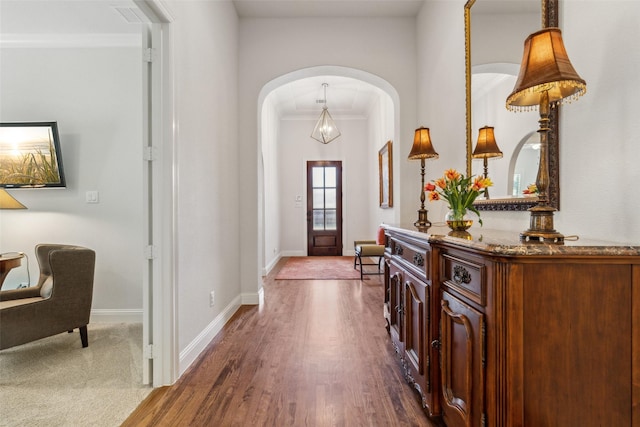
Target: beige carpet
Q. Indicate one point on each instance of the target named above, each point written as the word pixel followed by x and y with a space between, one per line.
pixel 55 382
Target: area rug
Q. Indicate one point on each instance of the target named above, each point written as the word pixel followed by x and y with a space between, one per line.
pixel 321 268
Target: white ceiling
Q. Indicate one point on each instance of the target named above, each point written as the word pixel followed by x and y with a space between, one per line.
pixel 66 17
pixel 326 8
pixel 347 98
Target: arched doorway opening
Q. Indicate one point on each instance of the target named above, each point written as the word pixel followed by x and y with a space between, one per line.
pixel 284 147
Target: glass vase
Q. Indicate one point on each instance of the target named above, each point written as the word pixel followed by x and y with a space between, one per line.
pixel 458 220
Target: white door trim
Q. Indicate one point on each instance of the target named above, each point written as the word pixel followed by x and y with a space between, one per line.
pixel 160 309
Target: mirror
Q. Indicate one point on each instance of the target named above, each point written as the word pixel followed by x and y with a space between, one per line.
pixel 495 31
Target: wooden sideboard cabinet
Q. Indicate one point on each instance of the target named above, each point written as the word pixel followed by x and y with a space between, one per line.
pixel 409 306
pixel 528 335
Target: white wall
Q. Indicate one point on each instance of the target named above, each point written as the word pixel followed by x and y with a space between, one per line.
pixel 270 48
pixel 441 92
pixel 208 254
pixel 295 148
pixel 95 96
pixel 271 161
pixel 381 129
pixel 598 148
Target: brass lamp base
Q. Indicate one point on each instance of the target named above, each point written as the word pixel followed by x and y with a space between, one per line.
pixel 541 227
pixel 423 223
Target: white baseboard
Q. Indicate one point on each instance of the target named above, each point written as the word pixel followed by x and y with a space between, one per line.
pixel 270 266
pixel 197 346
pixel 116 316
pixel 252 298
pixel 293 253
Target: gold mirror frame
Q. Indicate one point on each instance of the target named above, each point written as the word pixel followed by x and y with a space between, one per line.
pixel 549 14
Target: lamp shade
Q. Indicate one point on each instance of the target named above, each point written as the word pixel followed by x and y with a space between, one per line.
pixel 545 68
pixel 486 146
pixel 8 202
pixel 422 148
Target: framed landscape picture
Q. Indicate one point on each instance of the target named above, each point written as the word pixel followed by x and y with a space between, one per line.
pixel 385 161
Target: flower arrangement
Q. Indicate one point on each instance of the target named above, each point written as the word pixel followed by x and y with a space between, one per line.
pixel 459 191
pixel 531 190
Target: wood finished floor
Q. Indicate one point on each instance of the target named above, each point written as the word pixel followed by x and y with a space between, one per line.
pixel 316 353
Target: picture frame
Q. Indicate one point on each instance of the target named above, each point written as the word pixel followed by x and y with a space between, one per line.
pixel 385 168
pixel 30 155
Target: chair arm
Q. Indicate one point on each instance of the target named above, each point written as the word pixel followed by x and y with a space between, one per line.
pixel 363 242
pixel 12 294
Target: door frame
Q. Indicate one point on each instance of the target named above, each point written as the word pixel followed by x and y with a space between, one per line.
pixel 160 344
pixel 339 203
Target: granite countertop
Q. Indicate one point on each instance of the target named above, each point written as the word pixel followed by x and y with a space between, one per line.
pixel 497 242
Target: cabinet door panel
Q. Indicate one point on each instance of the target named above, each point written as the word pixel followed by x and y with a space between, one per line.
pixel 416 306
pixel 462 359
pixel 396 306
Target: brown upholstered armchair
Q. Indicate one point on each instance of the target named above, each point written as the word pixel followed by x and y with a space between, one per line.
pixel 60 302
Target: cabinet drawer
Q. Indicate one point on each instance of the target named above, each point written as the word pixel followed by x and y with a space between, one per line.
pixel 465 276
pixel 415 257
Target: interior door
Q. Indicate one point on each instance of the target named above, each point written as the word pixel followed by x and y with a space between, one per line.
pixel 324 208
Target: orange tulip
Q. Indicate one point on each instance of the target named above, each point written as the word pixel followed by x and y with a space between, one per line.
pixel 451 174
pixel 440 182
pixel 429 187
pixel 478 183
pixel 434 196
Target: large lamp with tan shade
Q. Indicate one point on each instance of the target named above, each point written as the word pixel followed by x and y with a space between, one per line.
pixel 546 80
pixel 422 149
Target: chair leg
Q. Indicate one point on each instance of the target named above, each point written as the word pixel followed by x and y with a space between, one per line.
pixel 361 267
pixel 83 336
pixel 355 258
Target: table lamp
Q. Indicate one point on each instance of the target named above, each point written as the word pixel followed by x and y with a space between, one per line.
pixel 422 149
pixel 486 148
pixel 7 201
pixel 546 80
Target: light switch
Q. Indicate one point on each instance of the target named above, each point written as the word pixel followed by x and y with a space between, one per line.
pixel 92 197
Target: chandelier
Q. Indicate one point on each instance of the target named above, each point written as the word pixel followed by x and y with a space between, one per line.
pixel 325 130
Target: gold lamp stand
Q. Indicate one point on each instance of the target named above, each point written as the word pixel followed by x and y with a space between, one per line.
pixel 541 219
pixel 423 223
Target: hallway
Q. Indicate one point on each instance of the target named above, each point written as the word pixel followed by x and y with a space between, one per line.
pixel 315 353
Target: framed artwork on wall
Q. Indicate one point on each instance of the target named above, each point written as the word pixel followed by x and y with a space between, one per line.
pixel 385 161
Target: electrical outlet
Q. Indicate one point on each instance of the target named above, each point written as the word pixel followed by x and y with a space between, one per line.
pixel 212 298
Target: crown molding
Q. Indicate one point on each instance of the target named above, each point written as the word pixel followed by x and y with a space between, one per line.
pixel 69 40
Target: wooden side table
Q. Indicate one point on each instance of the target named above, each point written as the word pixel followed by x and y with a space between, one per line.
pixel 7 262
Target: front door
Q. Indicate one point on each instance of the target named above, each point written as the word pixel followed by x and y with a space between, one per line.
pixel 324 208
